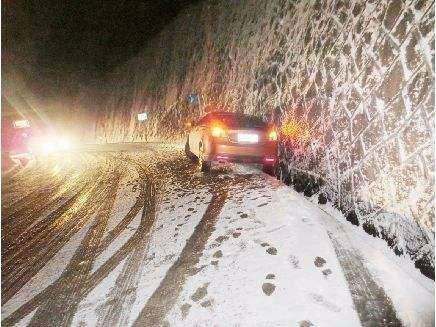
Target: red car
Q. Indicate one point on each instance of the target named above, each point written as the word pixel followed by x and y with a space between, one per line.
pixel 232 137
pixel 16 135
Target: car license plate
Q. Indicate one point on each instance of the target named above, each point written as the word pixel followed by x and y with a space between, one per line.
pixel 248 138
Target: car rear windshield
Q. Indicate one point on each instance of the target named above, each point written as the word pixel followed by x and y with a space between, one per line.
pixel 238 121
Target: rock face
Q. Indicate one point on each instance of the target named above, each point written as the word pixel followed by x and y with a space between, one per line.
pixel 349 84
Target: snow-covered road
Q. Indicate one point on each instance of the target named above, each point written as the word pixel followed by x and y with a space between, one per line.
pixel 132 234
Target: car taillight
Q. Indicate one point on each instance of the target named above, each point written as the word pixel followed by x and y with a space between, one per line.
pixel 272 136
pixel 218 131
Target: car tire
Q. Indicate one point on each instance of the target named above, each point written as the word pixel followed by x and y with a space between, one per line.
pixel 268 169
pixel 188 152
pixel 205 166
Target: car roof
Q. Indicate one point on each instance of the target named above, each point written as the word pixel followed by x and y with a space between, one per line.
pixel 226 113
pixel 219 113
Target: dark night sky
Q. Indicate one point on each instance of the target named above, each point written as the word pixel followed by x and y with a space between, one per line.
pixel 68 41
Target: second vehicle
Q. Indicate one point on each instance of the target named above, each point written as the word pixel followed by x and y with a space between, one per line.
pixel 232 137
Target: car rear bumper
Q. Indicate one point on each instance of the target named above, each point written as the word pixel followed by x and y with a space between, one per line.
pixel 260 153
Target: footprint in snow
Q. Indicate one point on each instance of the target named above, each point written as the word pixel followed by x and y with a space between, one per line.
pixel 272 250
pixel 268 288
pixel 221 239
pixel 293 260
pixel 200 293
pixel 185 310
pixel 206 304
pixel 317 298
pixel 319 262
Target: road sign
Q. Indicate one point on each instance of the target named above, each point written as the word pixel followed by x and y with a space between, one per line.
pixel 142 116
pixel 192 98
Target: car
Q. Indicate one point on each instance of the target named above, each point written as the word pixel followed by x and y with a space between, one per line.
pixel 22 140
pixel 16 135
pixel 232 137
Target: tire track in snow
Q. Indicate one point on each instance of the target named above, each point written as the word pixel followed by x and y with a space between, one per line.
pixel 93 280
pixel 373 306
pixel 86 192
pixel 20 266
pixel 138 205
pixel 37 196
pixel 59 308
pixel 17 215
pixel 28 203
pixel 102 272
pixel 32 178
pixel 107 267
pixel 124 223
pixel 31 195
pixel 11 172
pixel 41 228
pixel 10 183
pixel 31 222
pixel 123 294
pixel 165 296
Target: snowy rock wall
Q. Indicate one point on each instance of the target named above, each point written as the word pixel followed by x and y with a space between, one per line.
pixel 350 85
